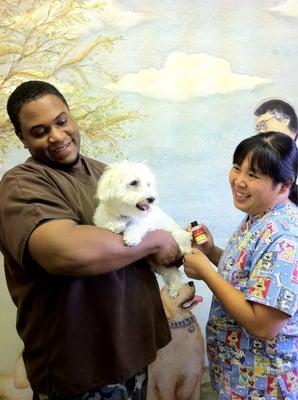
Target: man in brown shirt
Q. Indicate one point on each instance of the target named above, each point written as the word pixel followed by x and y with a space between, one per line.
pixel 88 307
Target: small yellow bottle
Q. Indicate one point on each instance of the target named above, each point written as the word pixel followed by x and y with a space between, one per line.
pixel 198 233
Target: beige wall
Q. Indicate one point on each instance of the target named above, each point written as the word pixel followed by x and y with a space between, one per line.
pixel 10 344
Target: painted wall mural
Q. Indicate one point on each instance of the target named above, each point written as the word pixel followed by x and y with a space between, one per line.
pixel 52 41
pixel 173 83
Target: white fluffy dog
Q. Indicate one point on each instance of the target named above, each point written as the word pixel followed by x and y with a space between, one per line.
pixel 127 204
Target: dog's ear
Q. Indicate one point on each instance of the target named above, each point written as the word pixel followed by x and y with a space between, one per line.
pixel 169 304
pixel 109 183
pixel 104 186
pixel 142 166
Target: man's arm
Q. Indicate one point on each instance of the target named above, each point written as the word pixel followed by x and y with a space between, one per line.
pixel 65 248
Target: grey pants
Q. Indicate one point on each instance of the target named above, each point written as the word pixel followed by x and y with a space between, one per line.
pixel 133 389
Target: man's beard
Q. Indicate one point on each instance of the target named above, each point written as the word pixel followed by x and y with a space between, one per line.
pixel 65 166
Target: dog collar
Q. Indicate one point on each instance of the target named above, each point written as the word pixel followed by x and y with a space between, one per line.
pixel 185 322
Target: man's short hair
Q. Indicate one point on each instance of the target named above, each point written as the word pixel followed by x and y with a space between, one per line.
pixel 25 92
pixel 281 108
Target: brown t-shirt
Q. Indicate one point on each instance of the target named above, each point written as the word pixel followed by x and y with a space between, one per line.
pixel 79 333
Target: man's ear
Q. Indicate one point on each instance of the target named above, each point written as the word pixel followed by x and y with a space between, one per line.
pixel 21 137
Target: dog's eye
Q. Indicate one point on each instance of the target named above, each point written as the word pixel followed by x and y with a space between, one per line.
pixel 133 183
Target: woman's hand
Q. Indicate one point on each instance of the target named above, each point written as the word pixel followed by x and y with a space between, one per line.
pixel 208 248
pixel 208 245
pixel 196 264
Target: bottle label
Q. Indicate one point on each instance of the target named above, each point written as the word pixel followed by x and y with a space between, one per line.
pixel 199 234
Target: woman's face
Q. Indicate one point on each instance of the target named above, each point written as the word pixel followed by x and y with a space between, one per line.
pixel 253 192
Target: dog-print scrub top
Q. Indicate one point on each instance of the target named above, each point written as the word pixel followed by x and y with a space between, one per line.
pixel 261 261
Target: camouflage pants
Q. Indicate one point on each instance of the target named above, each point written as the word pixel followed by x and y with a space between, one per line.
pixel 279 394
pixel 133 389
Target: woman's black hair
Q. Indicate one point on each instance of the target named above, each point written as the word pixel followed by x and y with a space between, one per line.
pixel 273 154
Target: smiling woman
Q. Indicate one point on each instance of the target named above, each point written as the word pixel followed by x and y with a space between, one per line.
pixel 263 173
pixel 253 191
pixel 255 288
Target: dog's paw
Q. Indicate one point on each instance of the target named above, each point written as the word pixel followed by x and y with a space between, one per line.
pixel 116 228
pixel 131 240
pixel 184 240
pixel 185 250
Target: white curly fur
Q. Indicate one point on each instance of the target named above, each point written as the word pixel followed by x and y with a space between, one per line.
pixel 127 204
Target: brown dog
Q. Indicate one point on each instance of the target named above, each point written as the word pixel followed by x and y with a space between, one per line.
pixel 177 372
pixel 16 385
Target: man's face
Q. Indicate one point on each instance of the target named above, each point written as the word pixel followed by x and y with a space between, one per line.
pixel 268 122
pixel 49 131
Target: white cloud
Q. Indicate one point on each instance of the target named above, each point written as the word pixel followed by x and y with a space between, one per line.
pixel 289 8
pixel 184 77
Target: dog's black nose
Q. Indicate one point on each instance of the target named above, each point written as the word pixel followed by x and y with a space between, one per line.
pixel 150 199
pixel 191 283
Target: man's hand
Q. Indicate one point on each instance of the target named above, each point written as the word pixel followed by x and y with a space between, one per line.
pixel 167 251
